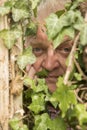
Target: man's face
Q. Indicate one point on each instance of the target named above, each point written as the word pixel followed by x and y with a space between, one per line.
pixel 53 60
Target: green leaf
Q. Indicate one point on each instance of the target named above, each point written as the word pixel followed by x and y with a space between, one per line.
pixel 83 35
pixel 26 58
pixel 42 73
pixel 57 124
pixel 22 4
pixel 28 81
pixel 38 103
pixel 14 124
pixel 19 14
pixel 69 31
pixel 31 29
pixel 65 96
pixel 43 122
pixel 4 10
pixel 24 127
pixel 78 76
pixel 60 12
pixel 9 3
pixel 41 86
pixel 76 4
pixel 53 25
pixel 35 3
pixel 10 36
pixel 81 113
pixel 21 10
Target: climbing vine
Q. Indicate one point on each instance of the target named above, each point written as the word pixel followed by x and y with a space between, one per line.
pixel 70 96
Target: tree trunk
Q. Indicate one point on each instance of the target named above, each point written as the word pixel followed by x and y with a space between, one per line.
pixel 4 81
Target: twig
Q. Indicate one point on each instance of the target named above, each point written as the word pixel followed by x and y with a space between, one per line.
pixel 70 65
pixel 79 69
pixel 78 98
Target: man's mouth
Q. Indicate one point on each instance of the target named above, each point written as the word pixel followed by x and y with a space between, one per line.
pixel 51 79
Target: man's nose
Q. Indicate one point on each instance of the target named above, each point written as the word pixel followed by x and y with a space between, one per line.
pixel 50 61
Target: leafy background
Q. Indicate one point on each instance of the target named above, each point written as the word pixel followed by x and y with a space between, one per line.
pixel 70 95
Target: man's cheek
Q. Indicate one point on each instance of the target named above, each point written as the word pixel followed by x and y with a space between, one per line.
pixel 28 68
pixel 32 72
pixel 38 64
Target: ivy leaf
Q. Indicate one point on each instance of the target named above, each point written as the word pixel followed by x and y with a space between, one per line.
pixel 22 4
pixel 9 4
pixel 43 122
pixel 78 76
pixel 69 31
pixel 53 26
pixel 42 73
pixel 24 127
pixel 16 125
pixel 31 29
pixel 79 111
pixel 10 36
pixel 76 4
pixel 41 86
pixel 28 82
pixel 26 58
pixel 83 35
pixel 34 3
pixel 21 10
pixel 65 96
pixel 38 103
pixel 4 10
pixel 19 14
pixel 57 124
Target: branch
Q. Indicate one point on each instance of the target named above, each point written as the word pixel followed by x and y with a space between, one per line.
pixel 80 70
pixel 70 65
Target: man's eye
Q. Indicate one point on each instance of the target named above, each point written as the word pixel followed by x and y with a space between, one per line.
pixel 37 51
pixel 67 50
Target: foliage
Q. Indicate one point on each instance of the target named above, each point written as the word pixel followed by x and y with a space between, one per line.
pixel 14 123
pixel 26 58
pixel 66 22
pixel 43 122
pixel 65 96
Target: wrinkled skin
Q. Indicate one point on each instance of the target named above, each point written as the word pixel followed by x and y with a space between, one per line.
pixel 47 58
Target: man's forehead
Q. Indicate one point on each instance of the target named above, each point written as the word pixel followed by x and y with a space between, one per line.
pixel 45 43
pixel 41 38
pixel 39 42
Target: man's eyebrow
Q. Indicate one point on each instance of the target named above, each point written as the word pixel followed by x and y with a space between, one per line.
pixel 67 40
pixel 39 45
pixel 67 43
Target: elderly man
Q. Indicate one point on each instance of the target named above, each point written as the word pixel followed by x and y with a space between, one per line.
pixel 48 58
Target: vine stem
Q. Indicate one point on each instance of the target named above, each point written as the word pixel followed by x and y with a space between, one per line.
pixel 70 64
pixel 80 70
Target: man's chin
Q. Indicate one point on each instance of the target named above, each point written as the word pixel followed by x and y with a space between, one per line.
pixel 52 87
pixel 51 83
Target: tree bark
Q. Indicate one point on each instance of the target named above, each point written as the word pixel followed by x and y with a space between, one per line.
pixel 4 80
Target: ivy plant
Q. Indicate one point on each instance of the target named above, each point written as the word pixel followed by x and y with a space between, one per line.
pixel 72 110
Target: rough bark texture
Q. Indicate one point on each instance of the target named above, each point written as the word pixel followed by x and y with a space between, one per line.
pixel 4 81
